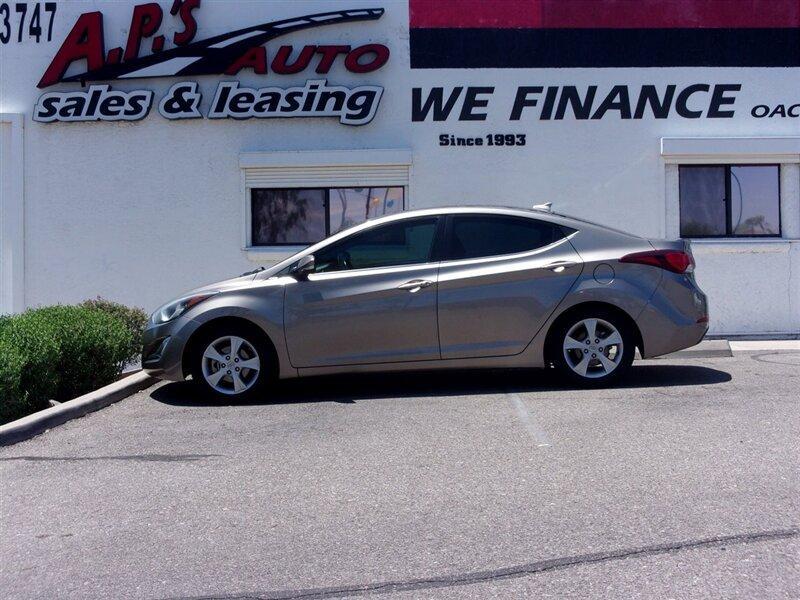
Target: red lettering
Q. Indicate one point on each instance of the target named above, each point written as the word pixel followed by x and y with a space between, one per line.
pixel 255 58
pixel 145 22
pixel 85 41
pixel 185 8
pixel 380 51
pixel 329 54
pixel 279 64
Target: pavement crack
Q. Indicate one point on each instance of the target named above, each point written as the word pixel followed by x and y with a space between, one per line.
pixel 132 457
pixel 522 570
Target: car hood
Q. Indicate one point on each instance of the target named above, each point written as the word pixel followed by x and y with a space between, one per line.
pixel 224 285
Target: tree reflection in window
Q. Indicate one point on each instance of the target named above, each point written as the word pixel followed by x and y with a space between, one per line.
pixel 288 216
pixel 305 216
pixel 729 200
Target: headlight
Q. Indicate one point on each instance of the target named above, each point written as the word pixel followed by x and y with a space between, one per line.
pixel 176 308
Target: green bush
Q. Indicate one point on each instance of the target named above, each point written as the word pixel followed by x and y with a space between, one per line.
pixel 29 338
pixel 58 352
pixel 135 320
pixel 13 401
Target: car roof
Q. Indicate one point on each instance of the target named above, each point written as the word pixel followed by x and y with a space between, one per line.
pixel 530 213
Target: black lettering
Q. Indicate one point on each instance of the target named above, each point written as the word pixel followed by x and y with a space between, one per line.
pixel 241 102
pixel 111 106
pixel 582 109
pixel 269 102
pixel 94 98
pixel 435 101
pixel 649 96
pixel 223 92
pixel 522 101
pixel 135 106
pixel 292 101
pixel 718 99
pixel 617 99
pixel 471 102
pixel 72 107
pixel 337 96
pixel 47 108
pixel 779 111
pixel 549 102
pixel 683 98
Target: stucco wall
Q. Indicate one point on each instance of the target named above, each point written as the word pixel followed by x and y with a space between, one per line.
pixel 139 212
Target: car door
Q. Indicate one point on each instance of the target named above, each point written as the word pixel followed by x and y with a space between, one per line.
pixel 501 278
pixel 371 299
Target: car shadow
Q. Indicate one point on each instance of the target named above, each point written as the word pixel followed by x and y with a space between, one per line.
pixel 346 389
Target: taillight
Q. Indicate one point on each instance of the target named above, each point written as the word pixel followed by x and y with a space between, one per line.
pixel 676 261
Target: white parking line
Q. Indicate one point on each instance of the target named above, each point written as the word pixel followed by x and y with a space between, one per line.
pixel 537 433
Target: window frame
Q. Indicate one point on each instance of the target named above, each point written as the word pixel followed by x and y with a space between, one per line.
pixel 442 250
pixel 326 207
pixel 728 204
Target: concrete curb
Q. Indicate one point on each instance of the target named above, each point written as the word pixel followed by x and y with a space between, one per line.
pixel 39 422
pixel 705 349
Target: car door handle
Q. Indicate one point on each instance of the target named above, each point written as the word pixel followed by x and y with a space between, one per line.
pixel 414 285
pixel 560 265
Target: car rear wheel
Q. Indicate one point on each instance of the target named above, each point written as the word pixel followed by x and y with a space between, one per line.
pixel 231 363
pixel 594 348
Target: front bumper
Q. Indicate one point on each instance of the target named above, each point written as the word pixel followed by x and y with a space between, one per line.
pixel 163 347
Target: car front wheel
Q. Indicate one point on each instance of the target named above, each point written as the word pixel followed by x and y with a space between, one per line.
pixel 594 348
pixel 231 363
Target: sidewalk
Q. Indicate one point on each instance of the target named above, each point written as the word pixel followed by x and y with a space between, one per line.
pixel 712 348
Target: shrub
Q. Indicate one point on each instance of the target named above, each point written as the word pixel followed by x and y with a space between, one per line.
pixel 94 346
pixel 13 400
pixel 26 338
pixel 59 352
pixel 135 320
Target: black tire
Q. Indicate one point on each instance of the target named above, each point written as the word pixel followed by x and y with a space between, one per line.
pixel 257 384
pixel 598 375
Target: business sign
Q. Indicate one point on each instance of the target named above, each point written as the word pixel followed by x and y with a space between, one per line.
pixel 223 55
pixel 607 38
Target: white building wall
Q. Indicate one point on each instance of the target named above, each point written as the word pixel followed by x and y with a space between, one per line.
pixel 139 212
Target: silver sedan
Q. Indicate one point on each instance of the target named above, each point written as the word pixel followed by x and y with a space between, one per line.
pixel 442 288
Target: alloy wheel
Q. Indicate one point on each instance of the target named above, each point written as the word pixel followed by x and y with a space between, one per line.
pixel 231 365
pixel 593 348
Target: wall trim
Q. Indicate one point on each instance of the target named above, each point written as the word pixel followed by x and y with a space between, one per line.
pixel 12 215
pixel 687 150
pixel 326 158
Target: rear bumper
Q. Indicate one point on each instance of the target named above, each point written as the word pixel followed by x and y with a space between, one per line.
pixel 675 318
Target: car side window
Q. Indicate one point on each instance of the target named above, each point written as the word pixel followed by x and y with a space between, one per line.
pixel 474 236
pixel 405 242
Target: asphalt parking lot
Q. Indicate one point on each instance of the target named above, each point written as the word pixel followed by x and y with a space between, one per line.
pixel 682 483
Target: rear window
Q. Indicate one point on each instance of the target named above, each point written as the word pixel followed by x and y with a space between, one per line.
pixel 474 236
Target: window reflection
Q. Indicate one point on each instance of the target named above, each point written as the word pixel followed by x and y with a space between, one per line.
pixel 293 216
pixel 730 200
pixel 754 200
pixel 306 216
pixel 351 206
pixel 702 199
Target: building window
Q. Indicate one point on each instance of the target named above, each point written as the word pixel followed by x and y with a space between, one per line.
pixel 302 216
pixel 730 200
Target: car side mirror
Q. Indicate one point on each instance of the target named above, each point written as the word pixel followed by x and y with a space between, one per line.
pixel 304 268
